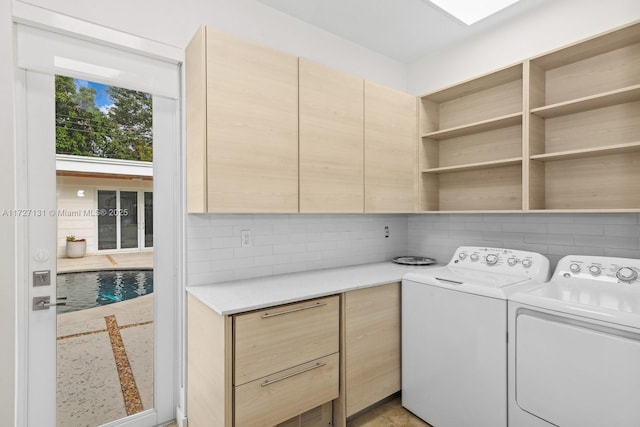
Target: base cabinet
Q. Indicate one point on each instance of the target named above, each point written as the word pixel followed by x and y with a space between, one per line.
pixel 372 345
pixel 307 364
pixel 286 361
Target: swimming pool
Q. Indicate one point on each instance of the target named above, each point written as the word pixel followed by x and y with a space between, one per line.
pixel 95 288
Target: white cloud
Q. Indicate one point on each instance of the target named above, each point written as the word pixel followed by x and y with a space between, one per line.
pixel 105 108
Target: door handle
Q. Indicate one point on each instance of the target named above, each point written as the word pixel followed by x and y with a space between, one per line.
pixel 43 303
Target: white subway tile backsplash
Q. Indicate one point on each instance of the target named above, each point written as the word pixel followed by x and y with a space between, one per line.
pixel 525 227
pixel 550 239
pixel 287 243
pixel 622 253
pixel 574 250
pixel 615 242
pixel 622 230
pixel 552 234
pixel 290 243
pixel 606 218
pixel 582 229
pixel 252 251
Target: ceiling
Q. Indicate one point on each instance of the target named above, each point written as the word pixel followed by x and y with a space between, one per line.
pixel 405 30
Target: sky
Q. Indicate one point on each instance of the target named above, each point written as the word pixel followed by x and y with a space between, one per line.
pixel 103 102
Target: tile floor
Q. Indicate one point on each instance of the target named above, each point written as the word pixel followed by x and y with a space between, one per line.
pixel 391 414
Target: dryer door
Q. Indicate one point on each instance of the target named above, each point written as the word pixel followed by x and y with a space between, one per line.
pixel 577 374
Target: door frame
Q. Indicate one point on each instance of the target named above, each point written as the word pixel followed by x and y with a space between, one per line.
pixel 170 259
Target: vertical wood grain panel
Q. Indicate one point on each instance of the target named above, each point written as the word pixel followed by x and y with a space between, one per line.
pixel 252 111
pixel 196 110
pixel 208 366
pixel 331 140
pixel 372 329
pixel 390 150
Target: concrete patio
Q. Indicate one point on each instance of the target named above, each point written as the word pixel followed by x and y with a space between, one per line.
pixel 105 354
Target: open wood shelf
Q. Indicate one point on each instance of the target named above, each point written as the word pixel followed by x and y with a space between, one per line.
pixel 588 152
pixel 561 129
pixel 614 97
pixel 477 127
pixel 475 166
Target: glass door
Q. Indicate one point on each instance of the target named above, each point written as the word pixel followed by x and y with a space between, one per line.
pixel 95 351
pixel 121 224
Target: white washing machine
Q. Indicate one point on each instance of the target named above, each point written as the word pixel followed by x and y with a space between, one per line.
pixel 454 335
pixel 574 356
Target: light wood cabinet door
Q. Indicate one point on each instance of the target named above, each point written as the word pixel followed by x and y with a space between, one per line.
pixel 331 140
pixel 242 126
pixel 390 150
pixel 278 338
pixel 372 345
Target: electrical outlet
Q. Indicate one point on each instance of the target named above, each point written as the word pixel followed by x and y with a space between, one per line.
pixel 245 238
pixel 386 231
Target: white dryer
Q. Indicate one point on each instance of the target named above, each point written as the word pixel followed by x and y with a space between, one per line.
pixel 454 335
pixel 574 352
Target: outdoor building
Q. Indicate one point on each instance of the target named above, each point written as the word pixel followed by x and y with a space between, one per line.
pixel 108 202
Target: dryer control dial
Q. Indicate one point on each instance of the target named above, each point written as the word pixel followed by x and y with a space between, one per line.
pixel 627 274
pixel 575 268
pixel 526 263
pixel 491 259
pixel 595 270
pixel 462 255
pixel 512 261
pixel 474 257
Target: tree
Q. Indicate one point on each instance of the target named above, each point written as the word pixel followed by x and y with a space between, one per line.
pixel 132 115
pixel 124 132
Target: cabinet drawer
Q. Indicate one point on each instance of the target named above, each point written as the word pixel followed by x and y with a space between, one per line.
pixel 278 338
pixel 278 397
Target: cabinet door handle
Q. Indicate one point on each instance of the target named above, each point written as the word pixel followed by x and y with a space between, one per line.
pixel 294 310
pixel 293 374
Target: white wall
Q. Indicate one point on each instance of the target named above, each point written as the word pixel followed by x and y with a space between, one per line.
pixel 554 24
pixel 7 224
pixel 174 23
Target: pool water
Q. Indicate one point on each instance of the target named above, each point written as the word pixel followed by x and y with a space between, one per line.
pixel 96 288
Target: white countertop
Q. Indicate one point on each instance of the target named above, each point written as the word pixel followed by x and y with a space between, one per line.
pixel 244 295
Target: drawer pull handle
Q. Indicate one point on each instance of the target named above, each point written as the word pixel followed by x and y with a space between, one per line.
pixel 293 310
pixel 293 374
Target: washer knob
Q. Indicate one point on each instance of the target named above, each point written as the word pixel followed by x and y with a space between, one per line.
pixel 491 259
pixel 627 274
pixel 595 270
pixel 462 255
pixel 526 263
pixel 575 268
pixel 512 261
pixel 474 257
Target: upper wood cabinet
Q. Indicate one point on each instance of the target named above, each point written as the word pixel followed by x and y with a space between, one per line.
pixel 242 126
pixel 390 155
pixel 331 140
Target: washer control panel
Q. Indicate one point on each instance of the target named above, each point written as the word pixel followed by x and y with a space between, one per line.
pixel 501 260
pixel 623 271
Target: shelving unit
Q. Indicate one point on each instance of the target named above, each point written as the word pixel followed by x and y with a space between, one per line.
pixel 471 148
pixel 584 133
pixel 558 132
